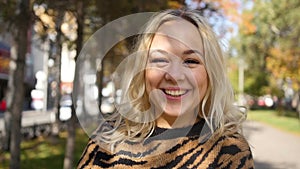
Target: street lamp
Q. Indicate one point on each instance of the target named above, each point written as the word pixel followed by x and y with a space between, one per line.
pixel 241 64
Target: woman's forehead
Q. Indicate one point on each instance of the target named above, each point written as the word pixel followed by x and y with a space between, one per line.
pixel 181 31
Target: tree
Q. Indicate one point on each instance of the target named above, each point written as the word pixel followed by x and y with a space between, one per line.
pixel 20 12
pixel 252 43
pixel 64 13
pixel 72 123
pixel 283 59
pixel 269 41
pixel 50 16
pixel 48 22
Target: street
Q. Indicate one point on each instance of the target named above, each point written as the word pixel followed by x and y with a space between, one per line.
pixel 272 148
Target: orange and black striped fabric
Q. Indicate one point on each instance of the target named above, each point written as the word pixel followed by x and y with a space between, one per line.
pixel 172 150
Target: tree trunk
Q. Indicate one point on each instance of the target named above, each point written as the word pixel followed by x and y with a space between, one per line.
pixel 70 144
pixel 7 125
pixel 16 80
pixel 58 46
pixel 72 123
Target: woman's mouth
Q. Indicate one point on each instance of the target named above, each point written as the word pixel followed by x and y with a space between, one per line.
pixel 175 93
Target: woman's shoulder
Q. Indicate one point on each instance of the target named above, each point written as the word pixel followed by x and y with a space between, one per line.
pixel 229 142
pixel 232 150
pixel 235 141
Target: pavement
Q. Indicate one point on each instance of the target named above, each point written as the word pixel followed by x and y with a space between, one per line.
pixel 272 148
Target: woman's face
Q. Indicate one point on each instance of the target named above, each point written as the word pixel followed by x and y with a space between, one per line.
pixel 176 78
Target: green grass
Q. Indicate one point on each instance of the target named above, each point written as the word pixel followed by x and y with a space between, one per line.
pixel 287 121
pixel 46 152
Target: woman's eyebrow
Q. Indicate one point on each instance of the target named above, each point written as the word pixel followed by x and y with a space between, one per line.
pixel 192 51
pixel 159 51
pixel 186 52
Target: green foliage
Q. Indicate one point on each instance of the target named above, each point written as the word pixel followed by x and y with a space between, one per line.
pixel 233 72
pixel 10 17
pixel 268 40
pixel 254 81
pixel 7 10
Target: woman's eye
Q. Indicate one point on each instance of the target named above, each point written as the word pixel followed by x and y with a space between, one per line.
pixel 191 61
pixel 158 60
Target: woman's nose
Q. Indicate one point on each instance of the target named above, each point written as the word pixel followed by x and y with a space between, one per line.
pixel 174 73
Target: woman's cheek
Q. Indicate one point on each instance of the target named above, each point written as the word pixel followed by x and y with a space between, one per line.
pixel 153 77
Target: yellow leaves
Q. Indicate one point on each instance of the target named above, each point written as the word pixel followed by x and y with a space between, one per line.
pixel 246 25
pixel 284 63
pixel 45 20
pixel 269 37
pixel 48 20
pixel 46 25
pixel 174 5
pixel 230 9
pixel 41 12
pixel 38 27
pixel 69 26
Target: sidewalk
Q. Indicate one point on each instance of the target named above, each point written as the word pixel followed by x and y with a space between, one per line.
pixel 272 148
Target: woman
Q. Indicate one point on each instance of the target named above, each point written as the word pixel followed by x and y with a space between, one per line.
pixel 177 106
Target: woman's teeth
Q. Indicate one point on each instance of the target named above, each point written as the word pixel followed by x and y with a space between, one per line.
pixel 175 92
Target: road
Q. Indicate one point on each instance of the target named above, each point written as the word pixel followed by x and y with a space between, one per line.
pixel 272 148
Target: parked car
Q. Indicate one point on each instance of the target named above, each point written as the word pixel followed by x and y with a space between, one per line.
pixel 261 102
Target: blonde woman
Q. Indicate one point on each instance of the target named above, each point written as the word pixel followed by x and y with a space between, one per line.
pixel 177 108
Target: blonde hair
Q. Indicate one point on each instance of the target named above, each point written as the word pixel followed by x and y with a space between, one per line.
pixel 132 120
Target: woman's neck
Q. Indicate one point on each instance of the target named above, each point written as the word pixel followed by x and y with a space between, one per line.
pixel 166 121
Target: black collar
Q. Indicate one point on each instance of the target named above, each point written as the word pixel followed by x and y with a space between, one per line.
pixel 189 131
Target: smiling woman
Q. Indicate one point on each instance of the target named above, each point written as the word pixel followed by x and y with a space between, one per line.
pixel 176 67
pixel 176 109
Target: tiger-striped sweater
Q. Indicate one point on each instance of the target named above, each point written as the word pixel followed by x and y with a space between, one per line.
pixel 173 149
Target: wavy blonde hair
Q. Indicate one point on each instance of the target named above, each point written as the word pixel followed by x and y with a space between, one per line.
pixel 133 119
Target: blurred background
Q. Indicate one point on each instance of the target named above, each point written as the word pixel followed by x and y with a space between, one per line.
pixel 40 42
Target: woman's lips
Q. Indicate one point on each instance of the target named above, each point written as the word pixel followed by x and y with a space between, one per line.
pixel 175 94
